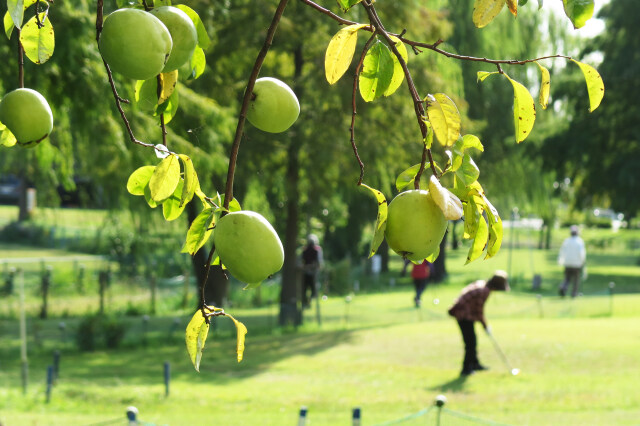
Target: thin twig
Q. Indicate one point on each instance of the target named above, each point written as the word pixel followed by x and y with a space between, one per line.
pixel 417 101
pixel 119 100
pixel 247 98
pixel 430 46
pixel 162 123
pixel 20 61
pixel 206 277
pixel 353 106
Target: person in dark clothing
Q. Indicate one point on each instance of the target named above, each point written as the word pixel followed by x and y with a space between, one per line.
pixel 420 274
pixel 468 308
pixel 312 261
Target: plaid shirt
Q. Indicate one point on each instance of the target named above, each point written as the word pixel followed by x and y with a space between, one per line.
pixel 470 304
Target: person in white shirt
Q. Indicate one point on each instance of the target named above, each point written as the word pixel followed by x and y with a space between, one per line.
pixel 573 256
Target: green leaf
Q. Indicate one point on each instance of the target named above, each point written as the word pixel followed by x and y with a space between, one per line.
pixel 147 196
pixel 146 94
pixel 408 176
pixel 381 222
pixel 172 208
pixel 241 332
pixel 340 52
pixel 165 178
pixel 485 10
pixel 8 25
pixel 524 110
pixel 168 108
pixel 196 336
pixel 469 141
pixel 190 180
pixel 377 72
pixel 197 63
pixel 444 117
pixel 347 4
pixel 482 75
pixel 203 37
pixel 468 171
pixel 595 85
pixel 139 180
pixel 545 86
pixel 38 43
pixel 15 9
pixel 398 73
pixel 199 231
pixel 579 11
pixel 479 241
pixel 428 141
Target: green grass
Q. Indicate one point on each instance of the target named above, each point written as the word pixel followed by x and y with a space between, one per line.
pixel 578 357
pixel 578 365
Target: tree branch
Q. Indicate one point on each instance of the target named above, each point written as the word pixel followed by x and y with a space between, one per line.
pixel 353 106
pixel 20 61
pixel 233 158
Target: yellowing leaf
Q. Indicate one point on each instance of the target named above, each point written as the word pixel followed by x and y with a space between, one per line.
pixel 381 222
pixel 169 80
pixel 376 73
pixel 524 110
pixel 595 85
pixel 513 7
pixel 495 230
pixel 449 204
pixel 479 241
pixel 139 179
pixel 485 10
pixel 8 25
pixel 482 75
pixel 38 42
pixel 241 332
pixel 7 138
pixel 444 117
pixel 165 178
pixel 579 11
pixel 191 182
pixel 398 72
pixel 340 52
pixel 545 86
pixel 196 336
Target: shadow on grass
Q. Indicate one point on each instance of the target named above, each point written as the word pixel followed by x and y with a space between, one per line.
pixel 454 385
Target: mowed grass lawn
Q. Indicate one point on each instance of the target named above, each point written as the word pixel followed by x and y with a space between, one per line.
pixel 579 366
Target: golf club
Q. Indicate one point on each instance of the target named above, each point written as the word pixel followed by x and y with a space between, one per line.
pixel 513 371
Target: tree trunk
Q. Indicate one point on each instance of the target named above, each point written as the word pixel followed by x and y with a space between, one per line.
pixel 290 309
pixel 217 286
pixel 383 251
pixel 439 268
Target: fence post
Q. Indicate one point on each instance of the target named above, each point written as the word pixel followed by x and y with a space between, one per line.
pixel 80 279
pixel 49 382
pixel 302 418
pixel 539 297
pixel 440 401
pixel 167 377
pixel 23 335
pixel 355 416
pixel 56 365
pixel 44 286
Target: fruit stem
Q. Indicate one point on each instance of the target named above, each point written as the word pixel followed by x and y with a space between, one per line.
pixel 247 99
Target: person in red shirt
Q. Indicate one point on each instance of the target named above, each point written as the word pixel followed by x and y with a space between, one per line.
pixel 420 274
pixel 468 308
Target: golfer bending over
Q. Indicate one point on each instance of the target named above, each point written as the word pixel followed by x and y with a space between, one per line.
pixel 469 307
